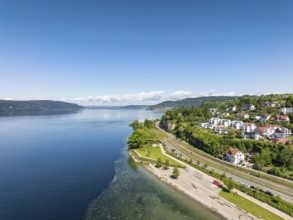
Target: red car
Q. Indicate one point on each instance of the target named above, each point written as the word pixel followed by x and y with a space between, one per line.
pixel 218 183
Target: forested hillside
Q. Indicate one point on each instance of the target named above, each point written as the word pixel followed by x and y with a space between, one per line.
pixel 43 107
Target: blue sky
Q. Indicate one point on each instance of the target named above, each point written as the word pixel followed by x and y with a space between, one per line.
pixel 144 51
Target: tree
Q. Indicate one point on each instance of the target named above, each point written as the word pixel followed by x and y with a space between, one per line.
pixel 289 101
pixel 175 173
pixel 148 124
pixel 143 136
pixel 229 184
pixel 231 133
pixel 266 156
pixel 135 125
pixel 167 164
pixel 159 162
pixel 290 115
pixel 137 139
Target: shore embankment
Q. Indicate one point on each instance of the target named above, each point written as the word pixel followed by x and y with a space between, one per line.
pixel 200 187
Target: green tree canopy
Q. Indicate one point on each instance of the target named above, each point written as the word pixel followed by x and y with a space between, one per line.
pixel 175 173
pixel 167 164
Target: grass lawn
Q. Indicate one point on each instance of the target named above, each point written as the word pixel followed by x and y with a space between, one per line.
pixel 249 206
pixel 154 153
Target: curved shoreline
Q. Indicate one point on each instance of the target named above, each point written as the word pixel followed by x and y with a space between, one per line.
pixel 197 190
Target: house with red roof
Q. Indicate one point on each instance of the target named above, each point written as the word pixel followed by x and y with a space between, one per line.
pixel 267 130
pixel 280 138
pixel 221 129
pixel 234 156
pixel 282 118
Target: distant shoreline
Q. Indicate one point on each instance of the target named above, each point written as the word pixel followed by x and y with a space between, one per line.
pixel 36 108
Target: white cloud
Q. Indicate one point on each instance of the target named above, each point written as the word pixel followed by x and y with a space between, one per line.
pixel 142 98
pixel 7 98
pixel 125 99
pixel 180 94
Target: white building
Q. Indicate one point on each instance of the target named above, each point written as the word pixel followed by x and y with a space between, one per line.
pixel 204 125
pixel 271 104
pixel 237 124
pixel 214 121
pixel 249 107
pixel 286 110
pixel 265 131
pixel 248 127
pixel 232 109
pixel 256 117
pixel 255 136
pixel 283 130
pixel 226 122
pixel 221 129
pixel 265 118
pixel 213 111
pixel 242 115
pixel 234 156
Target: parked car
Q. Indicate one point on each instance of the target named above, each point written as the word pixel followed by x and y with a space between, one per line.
pixel 252 187
pixel 217 183
pixel 269 193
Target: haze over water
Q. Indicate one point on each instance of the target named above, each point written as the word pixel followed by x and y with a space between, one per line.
pixel 75 166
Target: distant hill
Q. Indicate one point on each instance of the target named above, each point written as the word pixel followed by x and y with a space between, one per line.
pixel 190 102
pixel 135 106
pixel 39 107
pixel 119 107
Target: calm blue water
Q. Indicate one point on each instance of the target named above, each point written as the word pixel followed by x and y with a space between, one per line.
pixel 74 167
pixel 51 167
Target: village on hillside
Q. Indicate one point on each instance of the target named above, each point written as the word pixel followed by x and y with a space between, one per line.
pixel 267 127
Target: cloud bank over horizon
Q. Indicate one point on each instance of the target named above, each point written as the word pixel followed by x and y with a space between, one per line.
pixel 142 98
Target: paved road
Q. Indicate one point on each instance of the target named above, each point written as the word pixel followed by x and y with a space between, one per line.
pixel 204 182
pixel 202 190
pixel 235 178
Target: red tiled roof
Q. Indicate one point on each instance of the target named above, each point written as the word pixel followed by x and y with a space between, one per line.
pixel 284 117
pixel 232 151
pixel 273 125
pixel 261 129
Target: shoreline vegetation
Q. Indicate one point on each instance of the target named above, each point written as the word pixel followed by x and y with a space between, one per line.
pixel 196 183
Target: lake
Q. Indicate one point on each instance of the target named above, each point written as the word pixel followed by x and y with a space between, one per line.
pixel 76 166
